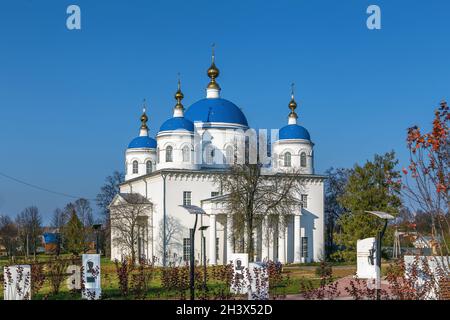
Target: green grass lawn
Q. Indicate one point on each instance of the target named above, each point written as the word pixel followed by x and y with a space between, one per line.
pixel 292 277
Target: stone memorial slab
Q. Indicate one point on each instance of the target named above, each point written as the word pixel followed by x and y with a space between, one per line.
pixel 439 266
pixel 74 280
pixel 17 282
pixel 366 256
pixel 259 281
pixel 91 277
pixel 239 284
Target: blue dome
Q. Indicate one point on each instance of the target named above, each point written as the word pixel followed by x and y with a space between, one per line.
pixel 293 131
pixel 177 123
pixel 216 110
pixel 142 142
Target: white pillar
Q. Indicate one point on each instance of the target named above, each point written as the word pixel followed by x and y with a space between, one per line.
pixel 229 238
pixel 212 240
pixel 245 237
pixel 297 239
pixel 282 241
pixel 264 240
pixel 256 245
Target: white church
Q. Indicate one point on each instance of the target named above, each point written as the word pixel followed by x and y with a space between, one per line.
pixel 176 172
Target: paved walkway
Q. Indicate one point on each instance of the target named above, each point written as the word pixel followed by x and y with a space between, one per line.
pixel 341 285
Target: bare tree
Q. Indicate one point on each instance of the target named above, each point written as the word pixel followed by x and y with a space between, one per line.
pixel 172 238
pixel 59 219
pixel 106 195
pixel 108 191
pixel 29 222
pixel 252 195
pixel 84 212
pixel 8 235
pixel 126 216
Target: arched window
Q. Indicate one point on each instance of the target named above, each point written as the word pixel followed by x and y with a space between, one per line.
pixel 169 153
pixel 135 167
pixel 287 159
pixel 186 154
pixel 210 152
pixel 148 166
pixel 157 155
pixel 229 153
pixel 303 159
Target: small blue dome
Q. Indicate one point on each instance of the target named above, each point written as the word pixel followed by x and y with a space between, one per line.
pixel 293 131
pixel 177 123
pixel 216 110
pixel 142 142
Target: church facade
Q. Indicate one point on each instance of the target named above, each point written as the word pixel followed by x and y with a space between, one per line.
pixel 174 177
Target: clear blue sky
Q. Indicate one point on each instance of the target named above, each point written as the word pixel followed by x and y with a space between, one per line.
pixel 70 101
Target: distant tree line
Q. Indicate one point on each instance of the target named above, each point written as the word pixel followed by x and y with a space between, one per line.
pixel 72 225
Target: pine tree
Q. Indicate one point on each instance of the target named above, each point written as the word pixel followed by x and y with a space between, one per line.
pixel 74 235
pixel 368 188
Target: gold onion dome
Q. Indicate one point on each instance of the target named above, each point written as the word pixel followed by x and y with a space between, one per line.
pixel 179 96
pixel 144 117
pixel 293 104
pixel 213 73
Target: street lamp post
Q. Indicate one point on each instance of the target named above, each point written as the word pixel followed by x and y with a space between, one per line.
pixel 192 259
pixel 97 228
pixel 380 234
pixel 192 210
pixel 203 228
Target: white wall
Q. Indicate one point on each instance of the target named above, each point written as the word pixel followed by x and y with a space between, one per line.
pixel 201 185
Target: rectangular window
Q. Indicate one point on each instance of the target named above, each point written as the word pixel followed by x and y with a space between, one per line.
pixel 217 248
pixel 304 201
pixel 304 247
pixel 214 193
pixel 187 195
pixel 186 249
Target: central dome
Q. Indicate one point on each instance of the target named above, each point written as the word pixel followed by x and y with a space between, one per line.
pixel 216 110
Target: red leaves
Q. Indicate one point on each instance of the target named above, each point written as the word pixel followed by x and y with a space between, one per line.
pixel 429 151
pixel 441 188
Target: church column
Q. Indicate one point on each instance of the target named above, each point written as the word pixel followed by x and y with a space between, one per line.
pixel 229 238
pixel 212 239
pixel 256 244
pixel 264 240
pixel 297 239
pixel 282 241
pixel 244 249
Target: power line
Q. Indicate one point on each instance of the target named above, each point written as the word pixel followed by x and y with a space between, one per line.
pixel 42 188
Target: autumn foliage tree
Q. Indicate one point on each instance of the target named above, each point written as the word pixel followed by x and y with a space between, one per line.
pixel 427 178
